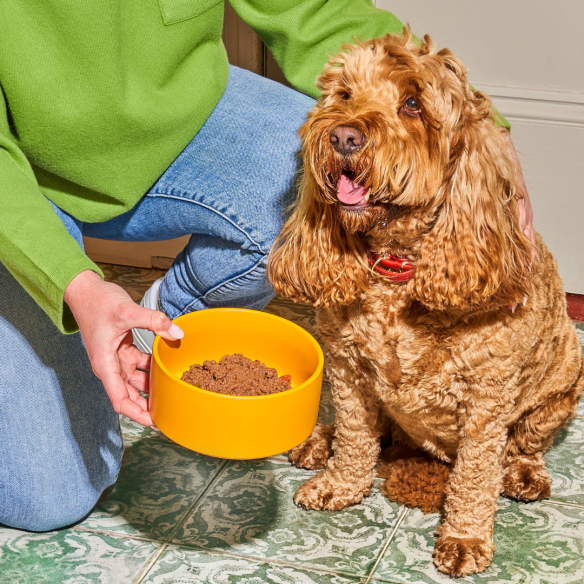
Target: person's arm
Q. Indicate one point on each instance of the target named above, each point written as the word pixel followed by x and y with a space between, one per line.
pixel 38 251
pixel 35 246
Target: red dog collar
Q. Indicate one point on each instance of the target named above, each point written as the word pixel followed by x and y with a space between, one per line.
pixel 405 270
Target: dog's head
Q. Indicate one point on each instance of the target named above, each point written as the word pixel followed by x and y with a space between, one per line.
pixel 400 151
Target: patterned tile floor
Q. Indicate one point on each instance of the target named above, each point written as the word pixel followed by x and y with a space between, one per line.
pixel 175 516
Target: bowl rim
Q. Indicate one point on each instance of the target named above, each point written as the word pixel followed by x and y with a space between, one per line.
pixel 318 371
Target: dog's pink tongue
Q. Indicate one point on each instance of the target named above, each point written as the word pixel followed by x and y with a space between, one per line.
pixel 348 192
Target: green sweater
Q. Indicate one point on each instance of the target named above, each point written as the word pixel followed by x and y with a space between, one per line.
pixel 99 97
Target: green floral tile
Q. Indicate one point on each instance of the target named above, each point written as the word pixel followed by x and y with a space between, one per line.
pixel 156 484
pixel 250 510
pixel 565 463
pixel 135 281
pixel 132 431
pixel 537 543
pixel 580 332
pixel 302 314
pixel 70 557
pixel 194 567
pixel 580 410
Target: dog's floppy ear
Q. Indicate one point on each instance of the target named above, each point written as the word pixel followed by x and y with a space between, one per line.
pixel 313 259
pixel 476 252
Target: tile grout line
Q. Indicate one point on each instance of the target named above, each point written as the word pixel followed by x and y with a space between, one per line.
pixel 118 534
pixel 564 503
pixel 150 563
pixel 168 539
pixel 385 547
pixel 385 581
pixel 194 504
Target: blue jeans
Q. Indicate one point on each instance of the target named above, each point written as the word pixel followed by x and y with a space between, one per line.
pixel 60 441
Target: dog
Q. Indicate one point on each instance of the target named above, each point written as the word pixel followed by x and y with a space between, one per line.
pixel 441 325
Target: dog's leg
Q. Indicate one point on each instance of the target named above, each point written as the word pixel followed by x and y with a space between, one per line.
pixel 465 544
pixel 350 472
pixel 316 449
pixel 526 478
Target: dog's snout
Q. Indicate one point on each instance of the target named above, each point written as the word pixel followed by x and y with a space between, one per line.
pixel 346 139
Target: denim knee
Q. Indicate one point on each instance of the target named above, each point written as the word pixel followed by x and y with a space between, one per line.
pixel 213 273
pixel 52 502
pixel 250 289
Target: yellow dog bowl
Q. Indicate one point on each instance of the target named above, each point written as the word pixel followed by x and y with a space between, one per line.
pixel 229 426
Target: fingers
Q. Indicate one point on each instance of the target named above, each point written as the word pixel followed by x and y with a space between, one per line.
pixel 125 399
pixel 138 380
pixel 135 412
pixel 137 398
pixel 134 316
pixel 144 362
pixel 131 357
pixel 131 361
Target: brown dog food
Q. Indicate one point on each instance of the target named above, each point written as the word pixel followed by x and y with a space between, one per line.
pixel 237 375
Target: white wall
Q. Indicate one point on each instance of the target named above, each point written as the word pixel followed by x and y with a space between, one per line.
pixel 529 56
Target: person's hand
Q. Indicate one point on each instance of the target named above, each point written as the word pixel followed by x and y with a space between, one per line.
pixel 525 210
pixel 106 316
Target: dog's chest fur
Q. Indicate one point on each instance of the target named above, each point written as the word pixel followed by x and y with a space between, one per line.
pixel 404 359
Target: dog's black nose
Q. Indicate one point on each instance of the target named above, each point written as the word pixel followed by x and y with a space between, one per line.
pixel 345 139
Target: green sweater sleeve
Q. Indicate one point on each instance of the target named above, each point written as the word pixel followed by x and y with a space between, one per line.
pixel 303 33
pixel 35 246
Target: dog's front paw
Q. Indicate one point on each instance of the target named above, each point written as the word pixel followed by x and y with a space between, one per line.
pixel 315 450
pixel 320 493
pixel 460 556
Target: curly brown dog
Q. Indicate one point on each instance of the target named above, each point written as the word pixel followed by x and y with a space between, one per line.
pixel 406 237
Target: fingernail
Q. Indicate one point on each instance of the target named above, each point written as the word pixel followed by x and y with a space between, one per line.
pixel 154 427
pixel 525 301
pixel 175 331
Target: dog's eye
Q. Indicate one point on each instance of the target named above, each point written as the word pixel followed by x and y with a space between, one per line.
pixel 345 95
pixel 411 107
pixel 412 104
